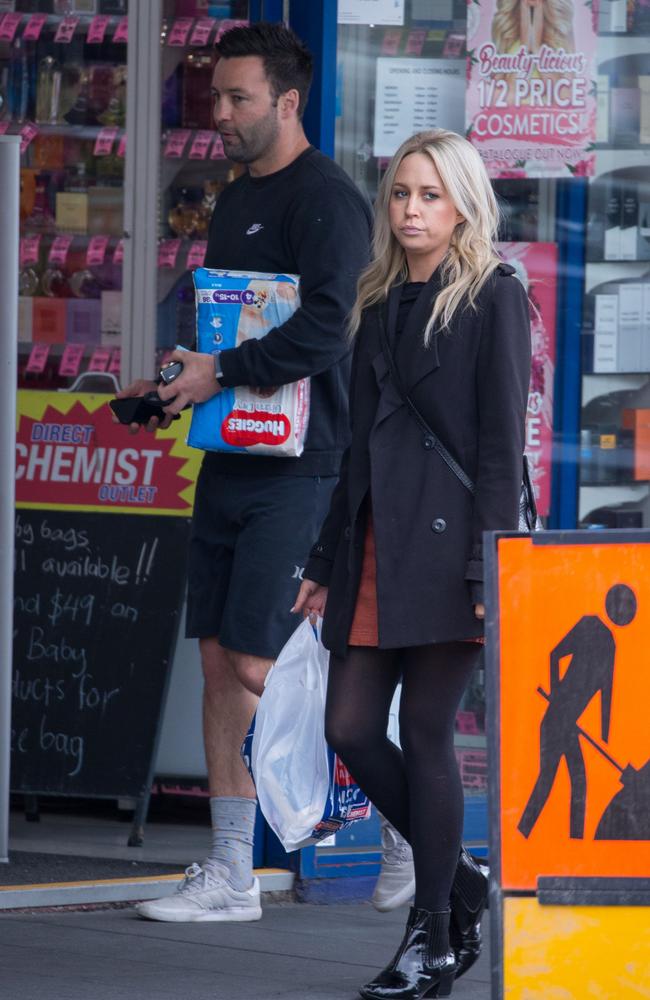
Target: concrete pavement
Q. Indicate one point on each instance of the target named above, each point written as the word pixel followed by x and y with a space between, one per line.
pixel 297 951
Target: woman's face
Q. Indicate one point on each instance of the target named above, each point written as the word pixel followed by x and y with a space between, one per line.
pixel 422 215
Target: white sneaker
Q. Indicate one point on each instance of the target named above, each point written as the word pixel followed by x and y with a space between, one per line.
pixel 204 894
pixel 396 883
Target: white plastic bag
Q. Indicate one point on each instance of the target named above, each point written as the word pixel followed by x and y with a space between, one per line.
pixel 288 755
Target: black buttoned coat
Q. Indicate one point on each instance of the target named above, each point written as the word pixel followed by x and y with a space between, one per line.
pixel 471 386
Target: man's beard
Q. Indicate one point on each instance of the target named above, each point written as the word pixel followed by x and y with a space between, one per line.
pixel 254 143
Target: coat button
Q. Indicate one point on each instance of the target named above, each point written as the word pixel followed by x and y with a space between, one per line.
pixel 438 525
pixel 318 548
pixel 428 443
pixel 347 533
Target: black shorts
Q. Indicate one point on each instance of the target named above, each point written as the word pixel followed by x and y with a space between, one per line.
pixel 250 539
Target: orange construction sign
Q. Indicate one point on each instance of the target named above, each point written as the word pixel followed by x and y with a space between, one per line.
pixel 569 658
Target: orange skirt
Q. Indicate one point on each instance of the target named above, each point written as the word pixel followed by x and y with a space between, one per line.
pixel 364 630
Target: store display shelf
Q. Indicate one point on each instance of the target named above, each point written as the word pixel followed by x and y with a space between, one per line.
pixel 605 383
pixel 619 44
pixel 65 129
pixel 592 497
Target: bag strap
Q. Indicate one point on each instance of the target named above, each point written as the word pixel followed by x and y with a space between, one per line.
pixel 429 435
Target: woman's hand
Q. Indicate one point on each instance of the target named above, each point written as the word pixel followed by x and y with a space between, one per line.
pixel 311 599
pixel 479 610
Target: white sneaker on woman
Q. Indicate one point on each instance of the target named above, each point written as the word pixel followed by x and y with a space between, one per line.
pixel 204 894
pixel 396 883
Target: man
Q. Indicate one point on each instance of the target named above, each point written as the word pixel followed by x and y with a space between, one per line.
pixel 255 518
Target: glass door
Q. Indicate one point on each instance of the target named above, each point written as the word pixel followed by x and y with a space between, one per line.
pixel 193 169
pixel 63 85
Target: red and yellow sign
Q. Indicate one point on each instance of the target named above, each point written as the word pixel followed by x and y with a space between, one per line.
pixel 70 455
pixel 574 678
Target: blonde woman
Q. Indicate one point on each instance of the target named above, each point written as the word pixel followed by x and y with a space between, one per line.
pixel 397 569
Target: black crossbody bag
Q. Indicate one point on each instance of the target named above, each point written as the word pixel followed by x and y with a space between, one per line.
pixel 528 516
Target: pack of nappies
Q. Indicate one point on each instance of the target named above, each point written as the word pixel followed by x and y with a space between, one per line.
pixel 231 307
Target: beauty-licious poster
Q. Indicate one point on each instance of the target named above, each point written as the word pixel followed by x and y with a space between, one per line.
pixel 536 267
pixel 531 104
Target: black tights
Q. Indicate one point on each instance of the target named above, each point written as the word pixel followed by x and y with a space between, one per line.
pixel 417 788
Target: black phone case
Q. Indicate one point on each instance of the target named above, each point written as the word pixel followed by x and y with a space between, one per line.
pixel 138 409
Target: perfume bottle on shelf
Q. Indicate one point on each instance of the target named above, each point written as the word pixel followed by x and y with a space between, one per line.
pixel 183 217
pixel 115 112
pixel 80 113
pixel 211 191
pixel 54 282
pixel 41 217
pixel 84 284
pixel 197 80
pixel 28 281
pixel 48 92
pixel 18 82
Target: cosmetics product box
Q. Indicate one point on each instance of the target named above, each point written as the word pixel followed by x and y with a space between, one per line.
pixel 638 421
pixel 83 321
pixel 629 235
pixel 605 333
pixel 624 113
pixel 613 212
pixel 49 320
pixel 602 108
pixel 111 316
pixel 644 108
pixel 645 328
pixel 25 318
pixel 72 212
pixel 630 313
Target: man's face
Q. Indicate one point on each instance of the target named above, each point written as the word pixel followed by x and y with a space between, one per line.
pixel 245 112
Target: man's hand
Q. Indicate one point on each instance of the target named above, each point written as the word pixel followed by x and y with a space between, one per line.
pixel 311 599
pixel 479 610
pixel 139 388
pixel 195 384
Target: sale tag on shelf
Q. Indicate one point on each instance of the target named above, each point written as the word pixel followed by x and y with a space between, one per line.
pixel 29 247
pixel 168 252
pixel 66 30
pixel 201 144
pixel 218 152
pixel 9 26
pixel 118 252
pixel 415 42
pixel 37 359
pixel 176 143
pixel 27 133
pixel 390 44
pixel 121 149
pixel 59 249
pixel 71 359
pixel 99 359
pixel 122 30
pixel 32 31
pixel 96 252
pixel 115 364
pixel 180 31
pixel 97 29
pixel 105 139
pixel 196 254
pixel 202 30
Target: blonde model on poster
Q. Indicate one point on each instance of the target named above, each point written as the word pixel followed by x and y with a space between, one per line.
pixel 533 23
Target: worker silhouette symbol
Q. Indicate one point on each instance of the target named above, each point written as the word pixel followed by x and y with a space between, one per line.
pixel 592 649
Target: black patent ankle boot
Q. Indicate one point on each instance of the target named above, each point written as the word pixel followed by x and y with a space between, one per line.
pixel 424 965
pixel 468 899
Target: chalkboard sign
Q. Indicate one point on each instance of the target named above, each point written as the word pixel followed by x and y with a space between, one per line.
pixel 97 602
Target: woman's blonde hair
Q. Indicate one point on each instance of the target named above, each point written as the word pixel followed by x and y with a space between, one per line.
pixel 557 31
pixel 471 256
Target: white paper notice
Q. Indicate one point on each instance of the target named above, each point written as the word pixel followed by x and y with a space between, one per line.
pixel 371 12
pixel 412 95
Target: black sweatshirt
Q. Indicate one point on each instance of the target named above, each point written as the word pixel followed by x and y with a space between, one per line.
pixel 307 219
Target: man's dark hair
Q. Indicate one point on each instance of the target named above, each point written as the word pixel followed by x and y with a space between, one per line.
pixel 288 63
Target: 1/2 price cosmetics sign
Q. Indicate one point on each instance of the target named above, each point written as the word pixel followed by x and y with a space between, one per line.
pixel 531 103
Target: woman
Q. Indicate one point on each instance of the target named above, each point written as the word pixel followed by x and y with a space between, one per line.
pixel 397 569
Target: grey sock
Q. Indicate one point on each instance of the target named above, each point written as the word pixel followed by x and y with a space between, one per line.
pixel 233 822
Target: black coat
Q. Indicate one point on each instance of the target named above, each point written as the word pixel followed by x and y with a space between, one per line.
pixel 471 386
